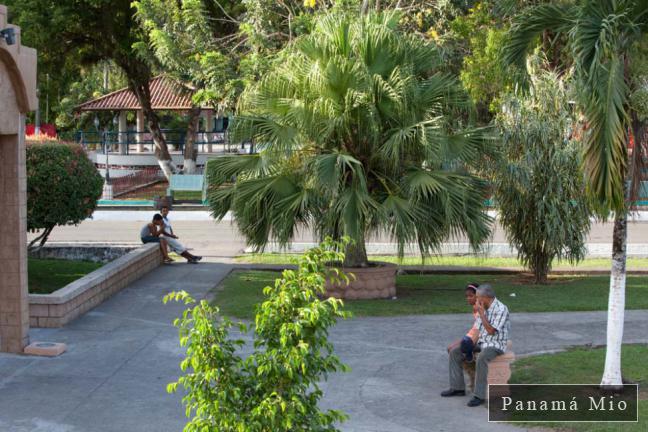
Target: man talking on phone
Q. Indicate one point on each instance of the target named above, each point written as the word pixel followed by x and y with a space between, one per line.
pixel 493 324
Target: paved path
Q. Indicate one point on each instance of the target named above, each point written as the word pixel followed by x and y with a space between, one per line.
pixel 122 354
pixel 221 239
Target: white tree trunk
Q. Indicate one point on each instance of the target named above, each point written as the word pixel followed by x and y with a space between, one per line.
pixel 616 304
pixel 189 166
pixel 168 167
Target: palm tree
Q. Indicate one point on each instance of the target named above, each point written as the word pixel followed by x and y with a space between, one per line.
pixel 602 37
pixel 358 133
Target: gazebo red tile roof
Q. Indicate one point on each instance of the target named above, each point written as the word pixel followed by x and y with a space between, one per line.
pixel 166 94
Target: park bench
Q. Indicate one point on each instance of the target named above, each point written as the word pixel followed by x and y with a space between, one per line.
pixel 499 370
pixel 187 183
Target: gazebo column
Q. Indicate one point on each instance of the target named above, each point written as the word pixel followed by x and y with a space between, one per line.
pixel 209 128
pixel 123 133
pixel 140 131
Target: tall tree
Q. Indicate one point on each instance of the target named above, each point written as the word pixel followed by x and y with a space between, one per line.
pixel 607 39
pixel 358 133
pixel 187 38
pixel 58 67
pixel 96 31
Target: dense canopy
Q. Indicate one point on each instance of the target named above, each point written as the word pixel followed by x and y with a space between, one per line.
pixel 359 131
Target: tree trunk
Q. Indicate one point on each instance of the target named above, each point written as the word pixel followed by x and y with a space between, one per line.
pixel 540 266
pixel 41 239
pixel 612 377
pixel 355 255
pixel 190 152
pixel 143 94
pixel 616 304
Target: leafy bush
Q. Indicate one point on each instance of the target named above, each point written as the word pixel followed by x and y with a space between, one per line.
pixel 63 186
pixel 276 387
pixel 539 186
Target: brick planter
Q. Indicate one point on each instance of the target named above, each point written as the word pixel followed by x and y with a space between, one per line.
pixel 62 306
pixel 378 281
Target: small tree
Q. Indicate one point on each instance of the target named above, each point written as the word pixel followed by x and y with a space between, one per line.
pixel 539 184
pixel 63 187
pixel 275 388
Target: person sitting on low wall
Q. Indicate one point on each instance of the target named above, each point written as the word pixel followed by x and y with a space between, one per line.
pixel 150 233
pixel 469 341
pixel 494 325
pixel 172 239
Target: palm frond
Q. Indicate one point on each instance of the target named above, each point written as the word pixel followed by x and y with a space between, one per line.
pixel 531 23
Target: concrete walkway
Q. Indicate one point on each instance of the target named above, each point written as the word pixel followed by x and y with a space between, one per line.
pixel 122 355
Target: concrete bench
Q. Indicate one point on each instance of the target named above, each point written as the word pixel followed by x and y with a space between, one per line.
pixel 499 370
pixel 187 183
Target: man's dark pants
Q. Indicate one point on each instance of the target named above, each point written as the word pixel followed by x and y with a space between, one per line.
pixel 456 359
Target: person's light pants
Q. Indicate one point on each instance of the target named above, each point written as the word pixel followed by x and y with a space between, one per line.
pixel 175 245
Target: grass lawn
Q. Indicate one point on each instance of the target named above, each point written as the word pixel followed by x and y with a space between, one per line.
pixel 48 275
pixel 187 195
pixel 585 366
pixel 459 261
pixel 436 294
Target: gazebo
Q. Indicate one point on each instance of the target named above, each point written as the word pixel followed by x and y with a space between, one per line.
pixel 166 95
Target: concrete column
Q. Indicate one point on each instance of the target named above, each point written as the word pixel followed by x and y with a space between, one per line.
pixel 123 133
pixel 14 304
pixel 209 128
pixel 140 131
pixel 17 97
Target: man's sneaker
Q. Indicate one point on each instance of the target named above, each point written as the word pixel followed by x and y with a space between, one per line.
pixel 197 258
pixel 475 401
pixel 192 261
pixel 448 393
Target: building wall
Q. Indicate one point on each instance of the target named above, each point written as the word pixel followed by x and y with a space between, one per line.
pixel 17 96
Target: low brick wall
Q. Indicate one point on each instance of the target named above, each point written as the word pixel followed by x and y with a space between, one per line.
pixel 62 306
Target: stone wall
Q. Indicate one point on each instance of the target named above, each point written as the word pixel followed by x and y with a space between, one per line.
pixel 67 303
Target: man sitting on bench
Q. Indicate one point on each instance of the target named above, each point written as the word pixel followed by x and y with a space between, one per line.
pixel 493 325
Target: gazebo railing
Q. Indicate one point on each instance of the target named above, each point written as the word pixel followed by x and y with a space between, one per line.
pixel 142 142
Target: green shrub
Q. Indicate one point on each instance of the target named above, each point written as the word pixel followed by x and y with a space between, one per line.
pixel 539 185
pixel 276 387
pixel 63 186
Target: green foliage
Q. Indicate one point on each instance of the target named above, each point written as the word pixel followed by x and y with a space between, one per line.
pixel 43 23
pixel 89 85
pixel 73 34
pixel 359 131
pixel 63 186
pixel 483 74
pixel 189 40
pixel 539 185
pixel 276 388
pixel 602 38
